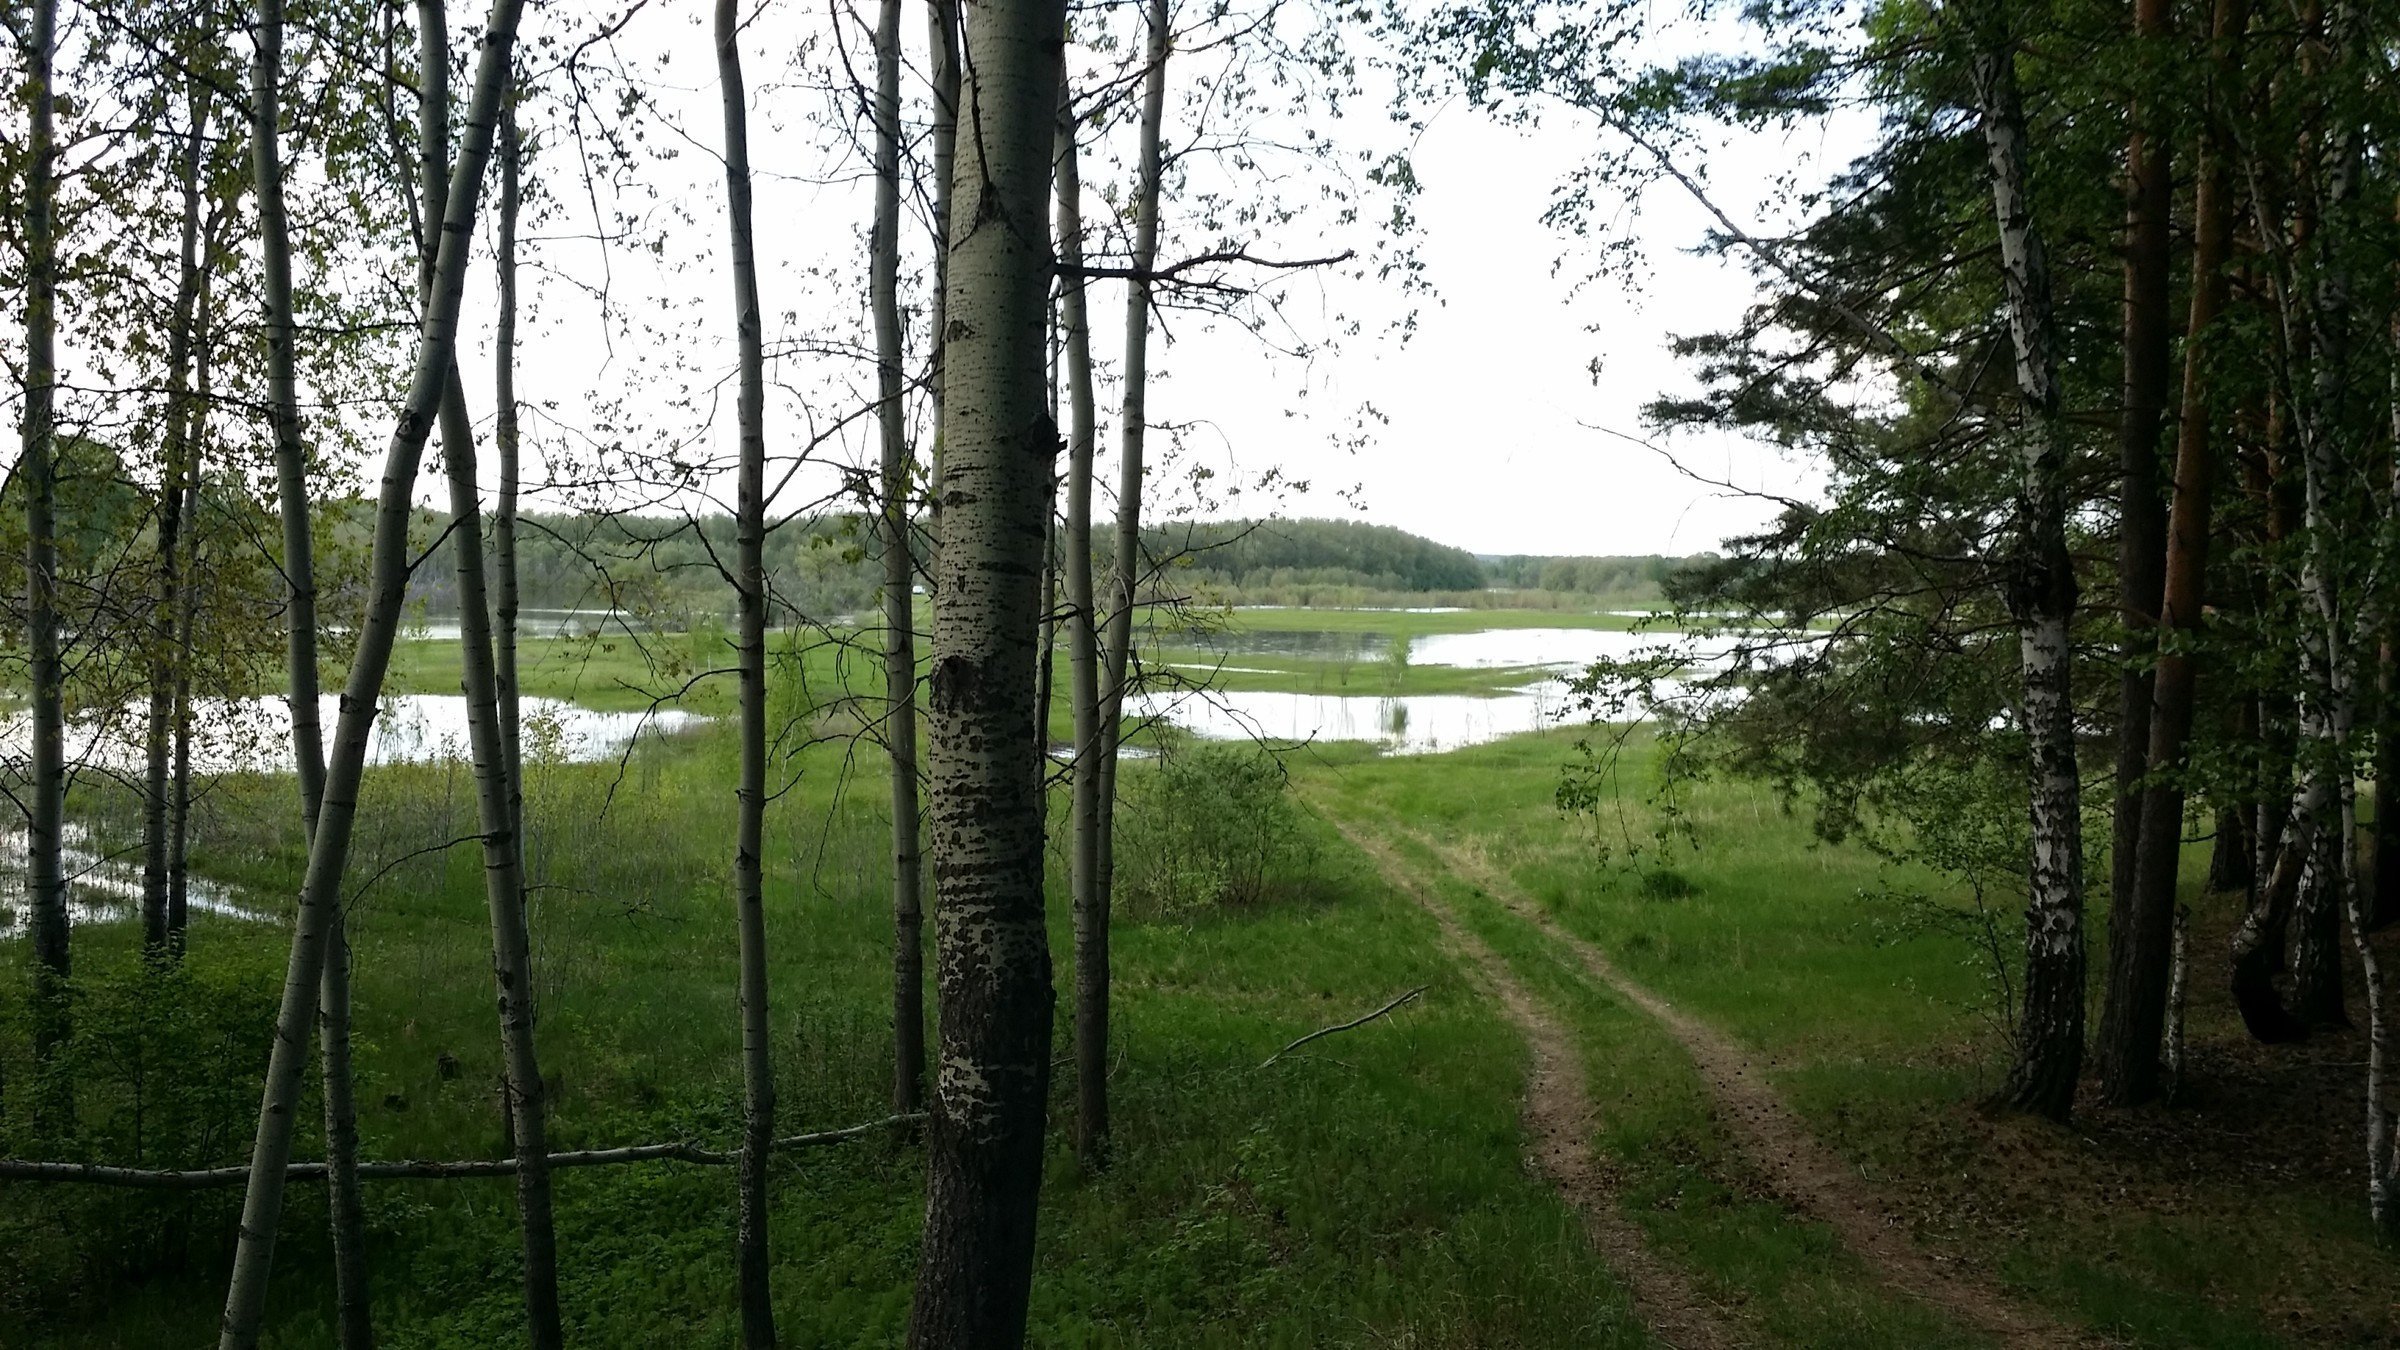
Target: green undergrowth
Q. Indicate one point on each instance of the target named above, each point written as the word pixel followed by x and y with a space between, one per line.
pixel 1366 1190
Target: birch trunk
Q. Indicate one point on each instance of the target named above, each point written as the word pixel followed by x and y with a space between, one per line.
pixel 2142 524
pixel 1124 576
pixel 504 513
pixel 899 587
pixel 504 889
pixel 503 879
pixel 750 581
pixel 2049 1050
pixel 1085 823
pixel 45 882
pixel 984 1157
pixel 2141 926
pixel 345 1217
pixel 947 59
pixel 175 445
pixel 329 847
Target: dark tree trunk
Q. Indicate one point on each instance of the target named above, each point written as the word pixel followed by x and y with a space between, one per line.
pixel 2142 514
pixel 2141 932
pixel 899 586
pixel 984 1142
pixel 45 881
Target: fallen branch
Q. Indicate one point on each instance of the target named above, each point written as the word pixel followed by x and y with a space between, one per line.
pixel 1346 1026
pixel 208 1178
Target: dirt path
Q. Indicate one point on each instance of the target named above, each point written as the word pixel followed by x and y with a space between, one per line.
pixel 1558 1116
pixel 1800 1169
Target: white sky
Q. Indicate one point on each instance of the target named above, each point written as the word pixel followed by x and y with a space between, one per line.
pixel 1493 440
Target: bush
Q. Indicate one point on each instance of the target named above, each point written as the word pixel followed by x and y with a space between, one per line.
pixel 1209 827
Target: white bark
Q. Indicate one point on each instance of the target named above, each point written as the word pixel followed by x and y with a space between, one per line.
pixel 262 1207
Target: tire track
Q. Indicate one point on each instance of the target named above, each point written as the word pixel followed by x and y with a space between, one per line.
pixel 1559 1121
pixel 1800 1168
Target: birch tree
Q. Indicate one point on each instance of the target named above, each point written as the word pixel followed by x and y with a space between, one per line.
pixel 345 1211
pixel 899 579
pixel 2041 598
pixel 45 882
pixel 984 1139
pixel 750 581
pixel 270 1153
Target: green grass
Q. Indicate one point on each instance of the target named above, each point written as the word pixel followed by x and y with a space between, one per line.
pixel 1880 1041
pixel 1247 1207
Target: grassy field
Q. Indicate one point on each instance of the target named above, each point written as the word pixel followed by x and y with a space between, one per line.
pixel 1249 1206
pixel 1366 1191
pixel 1879 1035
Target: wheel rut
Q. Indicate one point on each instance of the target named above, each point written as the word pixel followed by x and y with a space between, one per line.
pixel 1559 1122
pixel 1803 1172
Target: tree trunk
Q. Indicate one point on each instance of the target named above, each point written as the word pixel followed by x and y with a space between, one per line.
pixel 1125 575
pixel 320 892
pixel 749 904
pixel 899 587
pixel 947 60
pixel 2041 586
pixel 175 445
pixel 2142 524
pixel 2141 931
pixel 2229 854
pixel 504 512
pixel 345 1212
pixel 984 1157
pixel 503 879
pixel 45 881
pixel 504 887
pixel 1085 823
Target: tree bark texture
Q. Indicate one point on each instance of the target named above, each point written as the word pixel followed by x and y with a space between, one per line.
pixel 984 1155
pixel 2041 586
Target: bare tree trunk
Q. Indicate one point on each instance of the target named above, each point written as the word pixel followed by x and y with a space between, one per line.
pixel 45 881
pixel 175 444
pixel 1085 824
pixel 504 513
pixel 187 622
pixel 899 587
pixel 750 581
pixel 2142 524
pixel 345 1212
pixel 504 888
pixel 947 60
pixel 1124 577
pixel 2141 928
pixel 2042 598
pixel 262 1206
pixel 984 1160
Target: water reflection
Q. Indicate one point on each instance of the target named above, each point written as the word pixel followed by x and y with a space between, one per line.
pixel 100 887
pixel 254 735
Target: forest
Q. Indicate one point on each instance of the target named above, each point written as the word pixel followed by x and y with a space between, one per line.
pixel 627 721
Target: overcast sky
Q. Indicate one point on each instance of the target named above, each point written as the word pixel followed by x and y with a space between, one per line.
pixel 1497 436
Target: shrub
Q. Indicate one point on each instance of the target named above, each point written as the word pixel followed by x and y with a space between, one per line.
pixel 1207 827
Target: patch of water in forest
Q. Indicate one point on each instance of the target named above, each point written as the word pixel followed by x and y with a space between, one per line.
pixel 254 735
pixel 102 887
